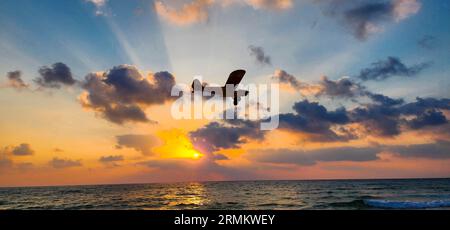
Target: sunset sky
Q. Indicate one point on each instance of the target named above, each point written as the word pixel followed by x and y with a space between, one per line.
pixel 85 89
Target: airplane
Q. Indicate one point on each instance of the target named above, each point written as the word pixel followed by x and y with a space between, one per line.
pixel 234 79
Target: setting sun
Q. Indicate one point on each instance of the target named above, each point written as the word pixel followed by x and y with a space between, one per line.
pixel 196 155
pixel 176 145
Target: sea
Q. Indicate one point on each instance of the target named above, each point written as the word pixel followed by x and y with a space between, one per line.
pixel 230 195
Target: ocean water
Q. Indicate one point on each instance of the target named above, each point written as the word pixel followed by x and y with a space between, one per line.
pixel 325 194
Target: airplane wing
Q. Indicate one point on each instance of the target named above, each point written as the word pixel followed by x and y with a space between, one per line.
pixel 235 77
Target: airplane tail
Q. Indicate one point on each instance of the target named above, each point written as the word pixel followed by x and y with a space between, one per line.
pixel 197 84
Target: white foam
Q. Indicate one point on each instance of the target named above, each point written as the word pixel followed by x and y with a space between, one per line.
pixel 406 204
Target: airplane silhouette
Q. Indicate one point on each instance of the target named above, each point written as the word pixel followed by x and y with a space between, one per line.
pixel 234 79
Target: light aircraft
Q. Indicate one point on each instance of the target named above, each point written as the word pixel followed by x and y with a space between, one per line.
pixel 233 81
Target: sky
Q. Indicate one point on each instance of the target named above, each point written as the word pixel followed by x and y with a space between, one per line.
pixel 85 90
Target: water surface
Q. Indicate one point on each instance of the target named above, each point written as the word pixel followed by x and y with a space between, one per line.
pixel 329 194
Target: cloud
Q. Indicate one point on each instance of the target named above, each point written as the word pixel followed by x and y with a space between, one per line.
pixel 99 5
pixel 23 149
pixel 57 75
pixel 7 163
pixel 283 77
pixel 289 80
pixel 390 67
pixel 106 159
pixel 436 150
pixel 60 163
pixel 225 135
pixel 315 119
pixel 421 105
pixel 311 157
pixel 121 94
pixel 190 13
pixel 365 18
pixel 270 4
pixel 260 56
pixel 427 42
pixel 347 88
pixel 385 119
pixel 344 87
pixel 384 100
pixel 111 160
pixel 15 80
pixel 428 118
pixel 379 120
pixel 313 110
pixel 197 11
pixel 403 9
pixel 140 143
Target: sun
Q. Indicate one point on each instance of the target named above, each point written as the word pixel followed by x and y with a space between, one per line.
pixel 196 155
pixel 176 145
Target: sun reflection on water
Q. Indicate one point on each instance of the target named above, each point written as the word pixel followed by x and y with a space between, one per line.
pixel 186 196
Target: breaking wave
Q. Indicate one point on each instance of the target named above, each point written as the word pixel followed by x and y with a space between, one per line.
pixel 406 204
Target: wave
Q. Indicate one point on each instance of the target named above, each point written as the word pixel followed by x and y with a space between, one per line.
pixel 391 204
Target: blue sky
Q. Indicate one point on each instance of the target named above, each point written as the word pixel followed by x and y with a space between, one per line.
pixel 301 40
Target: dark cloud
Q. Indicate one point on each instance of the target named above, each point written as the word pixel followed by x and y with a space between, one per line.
pixel 427 42
pixel 226 135
pixel 15 80
pixel 121 94
pixel 379 120
pixel 315 119
pixel 428 118
pixel 341 88
pixel 55 76
pixel 311 157
pixel 258 53
pixel 287 79
pixel 390 67
pixel 121 113
pixel 386 117
pixel 107 159
pixel 111 161
pixel 421 105
pixel 384 100
pixel 140 143
pixel 313 110
pixel 59 163
pixel 23 149
pixel 364 18
pixel 344 87
pixel 219 157
pixel 437 150
pixel 283 77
